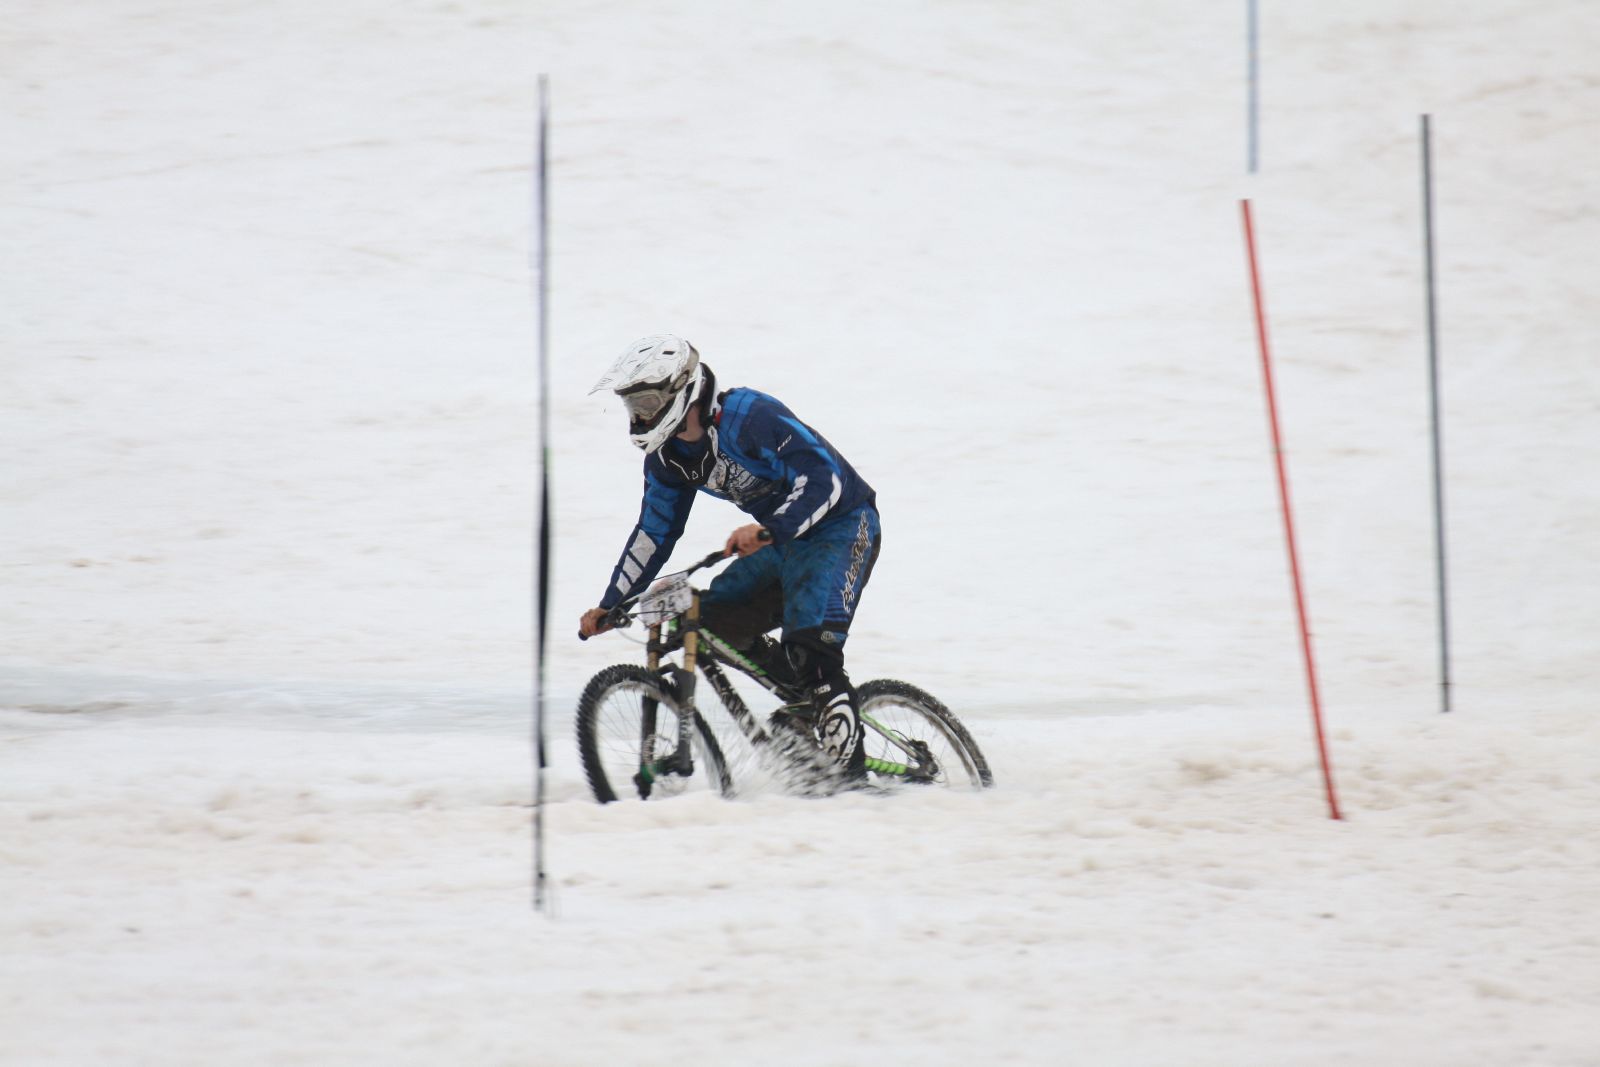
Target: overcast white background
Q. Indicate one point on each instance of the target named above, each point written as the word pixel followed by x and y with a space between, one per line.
pixel 268 421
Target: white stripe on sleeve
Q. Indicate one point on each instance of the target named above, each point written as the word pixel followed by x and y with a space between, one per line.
pixel 642 549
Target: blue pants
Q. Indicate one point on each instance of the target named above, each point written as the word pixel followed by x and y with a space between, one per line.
pixel 810 586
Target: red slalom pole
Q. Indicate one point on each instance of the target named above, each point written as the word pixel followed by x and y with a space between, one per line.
pixel 1288 518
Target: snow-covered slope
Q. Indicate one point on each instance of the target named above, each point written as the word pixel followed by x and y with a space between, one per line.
pixel 268 420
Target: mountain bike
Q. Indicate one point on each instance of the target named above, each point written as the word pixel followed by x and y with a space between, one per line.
pixel 647 732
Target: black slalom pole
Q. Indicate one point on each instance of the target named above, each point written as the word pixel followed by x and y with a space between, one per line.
pixel 541 593
pixel 1433 392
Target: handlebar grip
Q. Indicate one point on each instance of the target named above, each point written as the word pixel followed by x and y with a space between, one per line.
pixel 615 619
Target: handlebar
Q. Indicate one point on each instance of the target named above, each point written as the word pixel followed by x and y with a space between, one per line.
pixel 618 618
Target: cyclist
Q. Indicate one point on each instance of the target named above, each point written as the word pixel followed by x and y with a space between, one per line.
pixel 803 563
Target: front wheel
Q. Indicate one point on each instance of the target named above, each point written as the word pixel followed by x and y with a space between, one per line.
pixel 913 737
pixel 636 743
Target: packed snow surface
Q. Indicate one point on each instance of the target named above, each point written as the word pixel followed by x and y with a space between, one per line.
pixel 269 420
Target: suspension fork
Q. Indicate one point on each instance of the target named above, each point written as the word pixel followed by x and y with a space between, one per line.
pixel 683 678
pixel 681 759
pixel 647 720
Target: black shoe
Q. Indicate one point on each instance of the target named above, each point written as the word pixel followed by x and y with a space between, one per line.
pixel 801 718
pixel 792 730
pixel 807 767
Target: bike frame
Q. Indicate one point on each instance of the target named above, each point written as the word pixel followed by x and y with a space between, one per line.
pixel 690 636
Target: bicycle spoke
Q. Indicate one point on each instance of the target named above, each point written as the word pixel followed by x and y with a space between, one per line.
pixel 633 744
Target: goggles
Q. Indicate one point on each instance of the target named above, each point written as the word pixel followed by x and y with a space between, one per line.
pixel 647 402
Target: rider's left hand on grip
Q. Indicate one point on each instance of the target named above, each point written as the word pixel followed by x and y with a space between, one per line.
pixel 594 621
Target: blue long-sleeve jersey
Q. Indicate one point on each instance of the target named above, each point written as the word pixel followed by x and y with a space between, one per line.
pixel 755 454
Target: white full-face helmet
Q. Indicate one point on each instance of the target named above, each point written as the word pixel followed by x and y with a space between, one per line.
pixel 657 378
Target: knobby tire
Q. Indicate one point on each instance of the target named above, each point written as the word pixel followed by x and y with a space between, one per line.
pixel 612 705
pixel 961 761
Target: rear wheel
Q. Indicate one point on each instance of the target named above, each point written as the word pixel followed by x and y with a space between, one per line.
pixel 912 737
pixel 633 744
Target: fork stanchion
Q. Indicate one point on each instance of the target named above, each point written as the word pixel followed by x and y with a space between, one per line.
pixel 691 634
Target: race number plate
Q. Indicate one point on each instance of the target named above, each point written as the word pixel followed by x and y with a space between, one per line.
pixel 667 599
